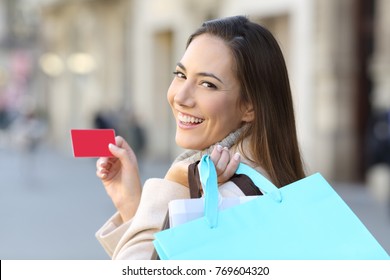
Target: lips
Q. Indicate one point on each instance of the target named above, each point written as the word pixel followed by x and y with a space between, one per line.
pixel 188 120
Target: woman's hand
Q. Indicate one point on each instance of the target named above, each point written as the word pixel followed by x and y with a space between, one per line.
pixel 225 165
pixel 120 177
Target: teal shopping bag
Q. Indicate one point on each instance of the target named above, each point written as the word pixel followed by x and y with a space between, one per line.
pixel 304 220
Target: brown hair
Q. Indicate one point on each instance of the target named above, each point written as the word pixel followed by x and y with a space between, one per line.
pixel 263 77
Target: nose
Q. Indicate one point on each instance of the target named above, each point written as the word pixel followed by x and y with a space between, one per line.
pixel 184 94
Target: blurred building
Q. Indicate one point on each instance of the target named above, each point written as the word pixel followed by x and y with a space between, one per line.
pixel 106 56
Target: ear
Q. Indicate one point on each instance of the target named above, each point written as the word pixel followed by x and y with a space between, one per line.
pixel 249 113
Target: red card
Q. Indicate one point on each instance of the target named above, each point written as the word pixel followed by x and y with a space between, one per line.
pixel 92 142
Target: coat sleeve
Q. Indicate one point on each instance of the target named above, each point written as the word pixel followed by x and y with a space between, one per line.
pixel 133 240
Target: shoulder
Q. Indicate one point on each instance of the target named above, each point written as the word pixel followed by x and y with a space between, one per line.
pixel 162 187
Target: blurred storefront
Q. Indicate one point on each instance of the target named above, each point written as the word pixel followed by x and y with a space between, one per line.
pixel 114 57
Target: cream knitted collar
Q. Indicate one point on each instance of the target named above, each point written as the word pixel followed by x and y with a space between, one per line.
pixel 194 155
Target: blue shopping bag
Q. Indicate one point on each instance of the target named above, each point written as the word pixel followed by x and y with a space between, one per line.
pixel 304 220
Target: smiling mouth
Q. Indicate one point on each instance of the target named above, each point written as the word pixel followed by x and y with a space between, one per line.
pixel 188 120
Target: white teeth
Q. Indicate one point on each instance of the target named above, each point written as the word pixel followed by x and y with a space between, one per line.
pixel 187 119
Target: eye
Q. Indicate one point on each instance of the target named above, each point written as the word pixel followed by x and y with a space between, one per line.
pixel 179 74
pixel 208 85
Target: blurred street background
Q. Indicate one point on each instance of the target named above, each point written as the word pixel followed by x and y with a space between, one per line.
pixel 107 64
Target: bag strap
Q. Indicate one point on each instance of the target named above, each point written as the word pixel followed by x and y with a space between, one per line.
pixel 246 185
pixel 209 180
pixel 260 181
pixel 242 181
pixel 194 180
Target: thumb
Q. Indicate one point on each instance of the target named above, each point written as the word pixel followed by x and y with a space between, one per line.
pixel 122 151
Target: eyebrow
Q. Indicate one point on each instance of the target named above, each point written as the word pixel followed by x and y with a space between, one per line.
pixel 204 74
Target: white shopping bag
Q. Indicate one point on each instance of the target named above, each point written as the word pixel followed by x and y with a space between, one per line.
pixel 185 210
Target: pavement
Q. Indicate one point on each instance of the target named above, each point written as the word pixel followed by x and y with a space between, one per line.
pixel 51 205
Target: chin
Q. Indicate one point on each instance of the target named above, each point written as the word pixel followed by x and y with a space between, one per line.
pixel 186 146
pixel 189 145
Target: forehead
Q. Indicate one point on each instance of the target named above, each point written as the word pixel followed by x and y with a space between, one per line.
pixel 209 53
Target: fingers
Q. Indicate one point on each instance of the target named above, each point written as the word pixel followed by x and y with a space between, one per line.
pixel 225 165
pixel 104 162
pixel 102 174
pixel 103 166
pixel 220 156
pixel 230 168
pixel 216 154
pixel 123 157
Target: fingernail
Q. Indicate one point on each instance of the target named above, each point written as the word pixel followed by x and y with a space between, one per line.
pixel 226 148
pixel 219 148
pixel 237 156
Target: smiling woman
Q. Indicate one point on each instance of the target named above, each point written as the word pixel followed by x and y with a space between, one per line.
pixel 231 98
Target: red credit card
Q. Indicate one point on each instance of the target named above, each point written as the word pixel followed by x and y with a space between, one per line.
pixel 92 142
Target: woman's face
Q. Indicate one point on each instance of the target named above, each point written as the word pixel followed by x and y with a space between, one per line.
pixel 204 94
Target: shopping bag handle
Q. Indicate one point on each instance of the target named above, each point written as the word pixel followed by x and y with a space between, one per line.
pixel 265 185
pixel 209 181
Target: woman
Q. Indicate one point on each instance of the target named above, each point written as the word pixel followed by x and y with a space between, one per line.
pixel 231 98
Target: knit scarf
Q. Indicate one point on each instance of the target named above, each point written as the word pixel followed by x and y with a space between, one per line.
pixel 195 155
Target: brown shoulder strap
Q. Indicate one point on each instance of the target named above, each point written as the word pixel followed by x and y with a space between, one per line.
pixel 246 185
pixel 194 181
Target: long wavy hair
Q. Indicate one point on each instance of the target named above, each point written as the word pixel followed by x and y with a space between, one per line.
pixel 262 74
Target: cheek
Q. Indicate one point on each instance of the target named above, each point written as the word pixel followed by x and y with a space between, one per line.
pixel 213 110
pixel 219 109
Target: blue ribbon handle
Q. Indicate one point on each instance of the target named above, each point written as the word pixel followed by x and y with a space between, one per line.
pixel 209 180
